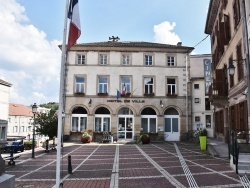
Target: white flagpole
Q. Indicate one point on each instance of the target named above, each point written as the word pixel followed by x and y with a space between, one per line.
pixel 61 93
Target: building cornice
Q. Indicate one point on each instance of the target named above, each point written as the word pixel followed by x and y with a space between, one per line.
pixel 211 15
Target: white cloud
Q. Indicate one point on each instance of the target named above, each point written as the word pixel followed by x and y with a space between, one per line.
pixel 27 59
pixel 164 33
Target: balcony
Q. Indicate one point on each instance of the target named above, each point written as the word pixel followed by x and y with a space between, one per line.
pixel 218 94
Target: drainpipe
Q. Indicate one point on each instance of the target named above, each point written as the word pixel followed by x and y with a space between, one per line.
pixel 246 50
pixel 187 80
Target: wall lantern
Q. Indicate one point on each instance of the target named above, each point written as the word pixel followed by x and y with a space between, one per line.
pixel 161 103
pixel 90 102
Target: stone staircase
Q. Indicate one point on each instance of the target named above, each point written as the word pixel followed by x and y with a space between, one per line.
pixel 244 164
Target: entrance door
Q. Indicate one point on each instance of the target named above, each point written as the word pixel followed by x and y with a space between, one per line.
pixel 125 127
pixel 172 132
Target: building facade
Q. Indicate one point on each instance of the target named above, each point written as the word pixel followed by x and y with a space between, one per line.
pixel 228 93
pixel 21 121
pixel 4 109
pixel 201 80
pixel 127 87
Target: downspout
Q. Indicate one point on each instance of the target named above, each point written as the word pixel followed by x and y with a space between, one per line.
pixel 187 81
pixel 246 49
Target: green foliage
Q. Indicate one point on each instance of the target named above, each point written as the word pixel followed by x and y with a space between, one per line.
pixel 46 124
pixel 143 136
pixel 51 105
pixel 86 135
pixel 29 142
pixel 203 132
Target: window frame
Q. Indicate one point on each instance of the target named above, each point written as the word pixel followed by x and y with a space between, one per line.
pixel 126 59
pixel 79 116
pixel 171 85
pixel 83 60
pixel 76 84
pixel 196 100
pixel 147 61
pixel 195 86
pixel 102 60
pixel 103 87
pixel 128 85
pixel 148 85
pixel 170 63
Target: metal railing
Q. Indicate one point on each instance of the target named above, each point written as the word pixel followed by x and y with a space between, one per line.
pixel 233 148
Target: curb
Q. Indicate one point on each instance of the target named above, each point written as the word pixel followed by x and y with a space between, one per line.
pixel 212 151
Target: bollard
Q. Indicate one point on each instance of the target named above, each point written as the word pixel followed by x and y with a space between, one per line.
pixel 47 146
pixel 11 151
pixel 69 165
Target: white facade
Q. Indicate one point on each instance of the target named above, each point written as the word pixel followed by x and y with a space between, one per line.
pixel 156 99
pixel 202 111
pixel 4 108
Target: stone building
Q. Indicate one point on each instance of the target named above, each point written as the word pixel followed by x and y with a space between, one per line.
pixel 127 87
pixel 228 27
pixel 4 109
pixel 201 80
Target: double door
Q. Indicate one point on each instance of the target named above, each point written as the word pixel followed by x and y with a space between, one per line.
pixel 125 127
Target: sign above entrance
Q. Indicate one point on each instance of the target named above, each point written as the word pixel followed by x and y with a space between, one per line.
pixel 126 101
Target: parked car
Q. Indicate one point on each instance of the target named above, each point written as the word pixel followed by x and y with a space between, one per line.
pixel 15 146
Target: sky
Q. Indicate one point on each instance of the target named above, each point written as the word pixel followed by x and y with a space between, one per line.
pixel 31 31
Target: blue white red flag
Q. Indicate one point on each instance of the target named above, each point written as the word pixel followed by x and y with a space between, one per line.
pixel 75 25
pixel 124 89
pixel 118 94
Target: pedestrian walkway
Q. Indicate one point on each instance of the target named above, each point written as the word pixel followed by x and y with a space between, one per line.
pixel 157 165
pixel 217 148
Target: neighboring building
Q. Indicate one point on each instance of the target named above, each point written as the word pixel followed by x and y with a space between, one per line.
pixel 4 109
pixel 225 26
pixel 201 79
pixel 21 121
pixel 126 87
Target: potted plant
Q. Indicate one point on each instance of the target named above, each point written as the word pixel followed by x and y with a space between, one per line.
pixel 86 137
pixel 145 138
pixel 203 139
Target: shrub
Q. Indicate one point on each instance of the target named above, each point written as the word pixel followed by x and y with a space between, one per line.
pixel 203 132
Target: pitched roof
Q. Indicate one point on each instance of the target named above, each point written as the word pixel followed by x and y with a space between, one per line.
pixel 2 82
pixel 117 44
pixel 20 110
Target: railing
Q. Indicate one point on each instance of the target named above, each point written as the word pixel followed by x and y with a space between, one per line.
pixel 233 148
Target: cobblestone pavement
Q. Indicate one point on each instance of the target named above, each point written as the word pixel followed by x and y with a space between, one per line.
pixel 156 165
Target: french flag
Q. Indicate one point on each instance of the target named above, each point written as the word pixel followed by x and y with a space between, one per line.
pixel 75 25
pixel 124 89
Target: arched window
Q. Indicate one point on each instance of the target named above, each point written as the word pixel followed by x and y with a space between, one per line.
pixel 102 120
pixel 149 120
pixel 79 119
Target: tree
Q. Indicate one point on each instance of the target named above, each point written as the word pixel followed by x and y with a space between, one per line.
pixel 46 124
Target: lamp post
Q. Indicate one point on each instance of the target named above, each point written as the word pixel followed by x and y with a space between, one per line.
pixel 34 111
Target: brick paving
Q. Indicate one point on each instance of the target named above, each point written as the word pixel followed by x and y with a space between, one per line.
pixel 156 165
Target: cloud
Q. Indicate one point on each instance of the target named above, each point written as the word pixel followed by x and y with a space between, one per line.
pixel 28 60
pixel 164 33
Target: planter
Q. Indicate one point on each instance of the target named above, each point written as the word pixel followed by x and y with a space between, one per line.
pixel 86 140
pixel 145 140
pixel 203 142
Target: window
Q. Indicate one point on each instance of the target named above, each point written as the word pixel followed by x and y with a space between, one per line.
pixel 170 61
pixel 103 59
pixel 197 118
pixel 149 120
pixel 148 60
pixel 102 85
pixel 80 84
pixel 208 121
pixel 240 66
pixel 102 120
pixel 236 12
pixel 125 85
pixel 125 60
pixel 148 85
pixel 207 104
pixel 196 86
pixel 171 86
pixel 80 59
pixel 79 119
pixel 196 100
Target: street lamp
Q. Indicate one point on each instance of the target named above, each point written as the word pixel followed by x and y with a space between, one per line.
pixel 34 111
pixel 231 68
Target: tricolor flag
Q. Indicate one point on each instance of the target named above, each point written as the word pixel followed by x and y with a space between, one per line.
pixel 75 25
pixel 124 89
pixel 118 94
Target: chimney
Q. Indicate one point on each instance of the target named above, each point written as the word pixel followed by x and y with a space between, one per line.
pixel 179 44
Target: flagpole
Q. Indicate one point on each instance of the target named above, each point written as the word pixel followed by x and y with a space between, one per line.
pixel 61 93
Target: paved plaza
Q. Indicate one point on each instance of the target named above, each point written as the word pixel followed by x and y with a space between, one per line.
pixel 155 165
